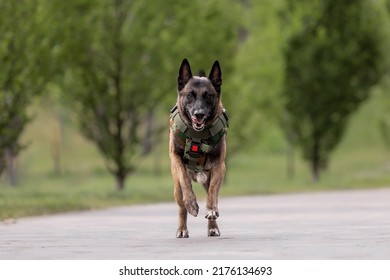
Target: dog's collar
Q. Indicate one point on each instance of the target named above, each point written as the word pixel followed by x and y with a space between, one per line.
pixel 197 144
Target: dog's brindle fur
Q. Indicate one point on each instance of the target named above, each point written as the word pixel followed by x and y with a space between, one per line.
pixel 199 103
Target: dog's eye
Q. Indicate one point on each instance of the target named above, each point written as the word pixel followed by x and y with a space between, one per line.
pixel 207 95
pixel 191 95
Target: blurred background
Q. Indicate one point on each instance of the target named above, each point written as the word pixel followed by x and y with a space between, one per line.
pixel 86 87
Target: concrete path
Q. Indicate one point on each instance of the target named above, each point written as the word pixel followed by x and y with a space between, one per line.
pixel 334 225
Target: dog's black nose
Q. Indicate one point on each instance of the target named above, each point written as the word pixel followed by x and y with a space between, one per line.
pixel 199 115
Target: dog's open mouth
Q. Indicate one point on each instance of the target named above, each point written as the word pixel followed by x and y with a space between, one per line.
pixel 196 124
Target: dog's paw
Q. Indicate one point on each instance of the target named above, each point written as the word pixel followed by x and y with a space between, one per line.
pixel 211 214
pixel 214 232
pixel 181 233
pixel 192 207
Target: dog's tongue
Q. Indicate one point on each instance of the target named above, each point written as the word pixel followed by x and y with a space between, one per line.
pixel 195 121
pixel 197 125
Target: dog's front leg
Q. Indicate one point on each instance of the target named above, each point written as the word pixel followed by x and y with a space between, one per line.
pixel 188 195
pixel 216 180
pixel 185 198
pixel 182 231
pixel 184 194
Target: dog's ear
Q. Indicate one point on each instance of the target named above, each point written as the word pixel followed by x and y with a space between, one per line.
pixel 184 74
pixel 216 76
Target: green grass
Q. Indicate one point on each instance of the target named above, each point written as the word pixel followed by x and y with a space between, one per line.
pixel 361 161
pixel 68 193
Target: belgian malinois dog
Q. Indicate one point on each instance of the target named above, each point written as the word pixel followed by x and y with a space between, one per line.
pixel 197 144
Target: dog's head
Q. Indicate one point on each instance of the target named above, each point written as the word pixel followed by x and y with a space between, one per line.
pixel 199 97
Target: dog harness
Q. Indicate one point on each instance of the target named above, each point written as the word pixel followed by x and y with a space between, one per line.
pixel 197 144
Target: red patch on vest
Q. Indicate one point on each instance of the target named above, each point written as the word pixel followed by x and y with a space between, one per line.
pixel 195 148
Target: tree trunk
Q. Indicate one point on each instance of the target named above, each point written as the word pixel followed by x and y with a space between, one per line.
pixel 315 169
pixel 11 167
pixel 157 160
pixel 56 153
pixel 120 181
pixel 290 152
pixel 57 140
pixel 315 162
pixel 2 163
pixel 148 137
pixel 290 165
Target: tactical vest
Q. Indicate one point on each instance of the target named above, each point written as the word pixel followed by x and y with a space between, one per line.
pixel 197 144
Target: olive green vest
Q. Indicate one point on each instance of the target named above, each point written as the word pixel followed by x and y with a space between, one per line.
pixel 197 144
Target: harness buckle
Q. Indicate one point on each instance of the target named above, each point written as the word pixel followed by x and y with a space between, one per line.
pixel 195 148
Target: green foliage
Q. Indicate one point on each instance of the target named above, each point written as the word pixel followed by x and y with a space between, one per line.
pixel 26 66
pixel 330 67
pixel 258 75
pixel 202 32
pixel 384 123
pixel 106 60
pixel 122 59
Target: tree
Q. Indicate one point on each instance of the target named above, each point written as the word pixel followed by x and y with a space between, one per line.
pixel 331 64
pixel 384 123
pixel 108 63
pixel 122 59
pixel 258 75
pixel 26 67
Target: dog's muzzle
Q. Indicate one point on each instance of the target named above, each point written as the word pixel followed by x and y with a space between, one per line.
pixel 198 120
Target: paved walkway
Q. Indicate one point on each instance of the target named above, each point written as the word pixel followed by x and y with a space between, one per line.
pixel 334 225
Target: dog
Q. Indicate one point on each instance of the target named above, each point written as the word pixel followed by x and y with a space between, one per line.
pixel 197 144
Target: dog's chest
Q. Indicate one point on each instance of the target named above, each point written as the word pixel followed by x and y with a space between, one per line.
pixel 200 177
pixel 194 147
